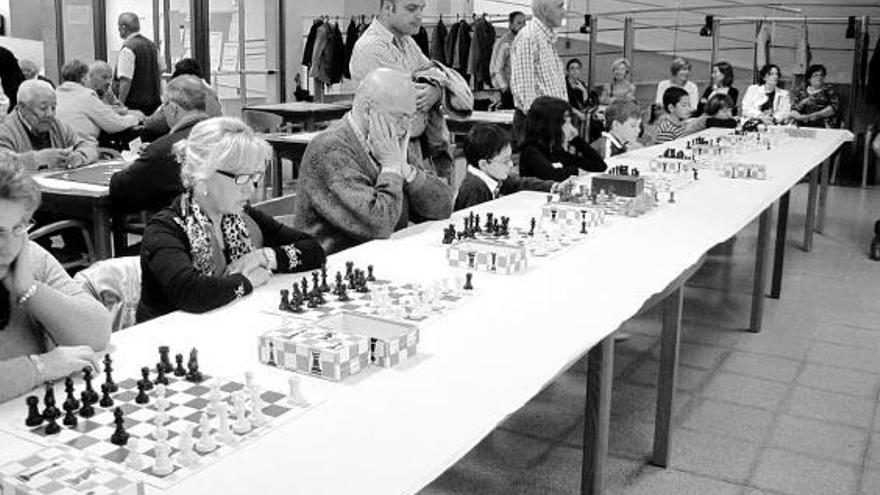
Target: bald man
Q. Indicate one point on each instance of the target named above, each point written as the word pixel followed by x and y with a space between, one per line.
pixel 99 79
pixel 355 183
pixel 138 67
pixel 37 137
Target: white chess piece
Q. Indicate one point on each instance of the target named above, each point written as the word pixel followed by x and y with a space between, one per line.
pixel 187 455
pixel 161 416
pixel 206 441
pixel 161 433
pixel 162 466
pixel 241 425
pixel 249 380
pixel 134 460
pixel 257 416
pixel 295 396
pixel 224 434
pixel 160 391
pixel 214 395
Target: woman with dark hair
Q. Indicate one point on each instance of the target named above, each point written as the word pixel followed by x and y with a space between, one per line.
pixel 816 104
pixel 578 94
pixel 722 84
pixel 767 101
pixel 552 148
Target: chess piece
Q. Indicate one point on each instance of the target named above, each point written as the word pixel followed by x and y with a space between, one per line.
pixel 472 257
pixel 304 286
pixel 34 418
pixel 69 414
pixel 672 196
pixel 161 379
pixel 316 285
pixel 87 410
pixel 108 374
pixel 194 375
pixel 162 466
pixel 370 277
pixel 467 281
pixel 242 424
pixel 271 361
pixel 476 229
pixel 91 396
pixel 134 460
pixel 249 381
pixel 52 426
pixel 296 302
pixel 206 441
pixel 583 226
pixel 343 294
pixel 70 402
pixel 696 174
pixel 257 416
pixel 164 359
pixel 145 378
pixel 532 227
pixel 50 412
pixel 295 396
pixel 494 267
pixel 224 434
pixel 179 370
pixel 160 433
pixel 284 304
pixel 120 436
pixel 349 268
pixel 338 283
pixel 325 287
pixel 106 400
pixel 187 455
pixel 142 397
pixel 214 396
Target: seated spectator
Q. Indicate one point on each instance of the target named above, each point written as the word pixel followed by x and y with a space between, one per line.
pixel 153 180
pixel 31 71
pixel 99 80
pixel 355 182
pixel 719 113
pixel 671 125
pixel 552 148
pixel 816 104
pixel 578 94
pixel 623 122
pixel 37 137
pixel 210 247
pixel 49 327
pixel 620 87
pixel 680 70
pixel 722 80
pixel 488 154
pixel 767 101
pixel 81 109
pixel 156 125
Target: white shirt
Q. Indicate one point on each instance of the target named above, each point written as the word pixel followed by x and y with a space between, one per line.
pixel 125 60
pixel 690 87
pixel 756 95
pixel 489 181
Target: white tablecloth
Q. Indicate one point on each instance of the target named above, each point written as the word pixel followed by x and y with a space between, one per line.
pixel 393 431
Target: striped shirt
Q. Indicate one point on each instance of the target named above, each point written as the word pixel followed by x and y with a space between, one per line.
pixel 536 69
pixel 667 129
pixel 377 47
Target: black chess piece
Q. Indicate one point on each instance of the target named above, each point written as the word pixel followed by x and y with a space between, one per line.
pixel 316 284
pixel 34 418
pixel 532 227
pixel 312 302
pixel 325 287
pixel 161 377
pixel 52 426
pixel 468 285
pixel 145 378
pixel 90 391
pixel 70 401
pixel 69 419
pixel 476 224
pixel 164 358
pixel 319 296
pixel 296 302
pixel 338 283
pixel 349 268
pixel 343 295
pixel 179 370
pixel 284 305
pixel 50 412
pixel 304 286
pixel 271 361
pixel 696 173
pixel 490 223
pixel 472 258
pixel 120 436
pixel 194 375
pixel 370 276
pixel 672 196
pixel 583 227
pixel 494 267
pixel 87 410
pixel 142 397
pixel 108 373
pixel 106 400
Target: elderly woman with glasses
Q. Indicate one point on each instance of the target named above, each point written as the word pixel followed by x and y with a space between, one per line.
pixel 210 247
pixel 49 327
pixel 816 104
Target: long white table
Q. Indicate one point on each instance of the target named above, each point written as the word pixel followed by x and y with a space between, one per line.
pixel 393 431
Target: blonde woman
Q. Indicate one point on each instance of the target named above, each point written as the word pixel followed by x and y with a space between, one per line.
pixel 210 247
pixel 620 87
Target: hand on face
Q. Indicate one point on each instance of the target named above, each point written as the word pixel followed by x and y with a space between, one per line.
pixel 387 148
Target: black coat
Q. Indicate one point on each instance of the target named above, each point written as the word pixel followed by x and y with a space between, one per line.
pixel 438 43
pixel 449 43
pixel 310 44
pixel 351 37
pixel 11 75
pixel 482 43
pixel 536 161
pixel 422 40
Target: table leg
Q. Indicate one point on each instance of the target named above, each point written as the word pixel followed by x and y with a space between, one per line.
pixel 760 270
pixel 101 232
pixel 597 416
pixel 823 193
pixel 779 254
pixel 669 345
pixel 811 210
pixel 277 173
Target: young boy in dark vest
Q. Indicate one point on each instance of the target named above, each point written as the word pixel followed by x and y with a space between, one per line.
pixel 623 122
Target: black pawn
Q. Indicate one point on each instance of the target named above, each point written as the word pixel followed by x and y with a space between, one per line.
pixel 145 378
pixel 90 395
pixel 194 375
pixel 296 303
pixel 120 436
pixel 34 418
pixel 106 400
pixel 179 370
pixel 160 375
pixel 271 361
pixel 164 358
pixel 284 304
pixel 52 427
pixel 316 284
pixel 86 411
pixel 467 281
pixel 70 418
pixel 108 373
pixel 343 295
pixel 325 287
pixel 583 226
pixel 70 402
pixel 142 397
pixel 50 412
pixel 338 283
pixel 370 277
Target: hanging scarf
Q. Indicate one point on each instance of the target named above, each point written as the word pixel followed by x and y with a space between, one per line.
pixel 197 226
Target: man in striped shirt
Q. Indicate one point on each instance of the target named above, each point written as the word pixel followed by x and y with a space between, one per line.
pixel 536 69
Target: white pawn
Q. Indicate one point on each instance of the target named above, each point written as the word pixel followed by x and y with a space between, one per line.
pixel 161 416
pixel 134 460
pixel 161 433
pixel 249 380
pixel 206 441
pixel 185 445
pixel 224 434
pixel 295 396
pixel 214 395
pixel 163 466
pixel 241 425
pixel 257 416
pixel 160 391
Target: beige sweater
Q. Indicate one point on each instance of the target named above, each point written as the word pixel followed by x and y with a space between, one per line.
pixel 14 138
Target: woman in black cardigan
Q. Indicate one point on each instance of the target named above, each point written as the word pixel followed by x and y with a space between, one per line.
pixel 552 148
pixel 209 247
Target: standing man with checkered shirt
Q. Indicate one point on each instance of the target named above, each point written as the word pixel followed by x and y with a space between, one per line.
pixel 536 69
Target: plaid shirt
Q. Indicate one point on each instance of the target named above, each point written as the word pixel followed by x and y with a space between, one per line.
pixel 536 69
pixel 377 47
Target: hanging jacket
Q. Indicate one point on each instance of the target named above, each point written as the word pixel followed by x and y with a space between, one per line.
pixel 762 47
pixel 462 49
pixel 449 45
pixel 422 40
pixel 310 43
pixel 351 37
pixel 802 53
pixel 339 61
pixel 328 48
pixel 438 43
pixel 480 56
pixel 873 93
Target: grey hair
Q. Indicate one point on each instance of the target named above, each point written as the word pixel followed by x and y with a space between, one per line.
pixel 29 89
pixel 220 142
pixel 188 91
pixel 17 185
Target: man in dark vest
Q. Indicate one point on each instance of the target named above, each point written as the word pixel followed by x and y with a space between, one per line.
pixel 138 67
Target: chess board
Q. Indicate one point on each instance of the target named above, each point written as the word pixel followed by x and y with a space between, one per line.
pixel 405 302
pixel 545 242
pixel 98 174
pixel 65 471
pixel 186 400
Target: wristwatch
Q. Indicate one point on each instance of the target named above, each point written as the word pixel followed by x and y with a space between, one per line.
pixel 39 366
pixel 26 295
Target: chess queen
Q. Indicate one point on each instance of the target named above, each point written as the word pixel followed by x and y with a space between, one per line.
pixel 39 302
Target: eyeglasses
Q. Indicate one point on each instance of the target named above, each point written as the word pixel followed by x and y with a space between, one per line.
pixel 18 230
pixel 242 179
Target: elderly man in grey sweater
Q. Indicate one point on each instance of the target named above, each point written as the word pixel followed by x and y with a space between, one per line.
pixel 355 183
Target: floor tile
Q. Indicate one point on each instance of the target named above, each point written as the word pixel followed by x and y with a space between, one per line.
pixel 870 483
pixel 688 379
pixel 541 420
pixel 655 481
pixel 745 423
pixel 841 380
pixel 819 439
pixel 720 457
pixel 844 356
pixel 775 344
pixel 797 474
pixel 745 390
pixel 829 406
pixel 873 458
pixel 762 366
pixel 696 355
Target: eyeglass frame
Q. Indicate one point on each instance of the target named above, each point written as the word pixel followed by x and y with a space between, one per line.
pixel 242 179
pixel 18 230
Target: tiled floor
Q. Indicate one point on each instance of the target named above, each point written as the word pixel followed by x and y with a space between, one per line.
pixel 792 410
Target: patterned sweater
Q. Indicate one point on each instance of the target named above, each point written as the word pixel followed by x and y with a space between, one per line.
pixel 344 199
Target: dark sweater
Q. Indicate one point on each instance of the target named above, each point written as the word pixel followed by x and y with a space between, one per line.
pixel 474 191
pixel 170 282
pixel 146 85
pixel 344 199
pixel 536 160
